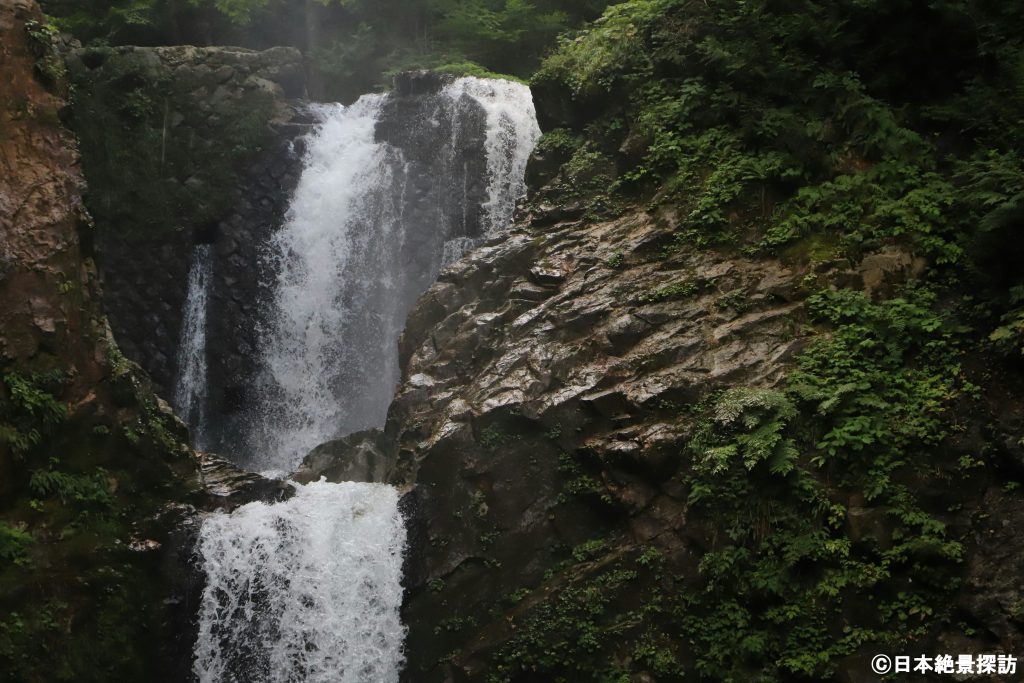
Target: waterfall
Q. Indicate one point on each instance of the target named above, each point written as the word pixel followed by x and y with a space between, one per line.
pixel 512 133
pixel 369 227
pixel 304 590
pixel 189 396
pixel 309 589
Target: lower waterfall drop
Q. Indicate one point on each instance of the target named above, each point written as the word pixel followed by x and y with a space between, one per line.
pixel 307 590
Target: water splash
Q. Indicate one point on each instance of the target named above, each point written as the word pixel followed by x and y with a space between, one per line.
pixel 333 291
pixel 190 386
pixel 304 590
pixel 309 589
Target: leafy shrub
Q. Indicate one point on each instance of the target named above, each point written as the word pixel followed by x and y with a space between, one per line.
pixel 864 411
pixel 31 411
pixel 14 543
pixel 83 491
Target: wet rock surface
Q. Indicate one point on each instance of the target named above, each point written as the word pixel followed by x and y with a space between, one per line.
pixel 550 380
pixel 367 456
pixel 89 598
pixel 442 142
pixel 226 486
pixel 569 344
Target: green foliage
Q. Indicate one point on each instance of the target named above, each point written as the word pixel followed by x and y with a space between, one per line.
pixel 152 176
pixel 31 411
pixel 1009 336
pixel 43 34
pixel 560 144
pixel 747 426
pixel 355 45
pixel 789 585
pixel 14 543
pixel 766 124
pixel 493 437
pixel 99 22
pixel 573 634
pixel 859 380
pixel 892 199
pixel 864 411
pixel 74 496
pixel 50 64
pixel 578 482
pixel 677 290
pixel 86 492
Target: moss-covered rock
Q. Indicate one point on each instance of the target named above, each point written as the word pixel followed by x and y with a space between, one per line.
pixel 89 457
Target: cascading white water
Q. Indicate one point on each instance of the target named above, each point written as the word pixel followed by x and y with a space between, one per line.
pixel 304 590
pixel 512 133
pixel 309 590
pixel 332 295
pixel 190 384
pixel 351 260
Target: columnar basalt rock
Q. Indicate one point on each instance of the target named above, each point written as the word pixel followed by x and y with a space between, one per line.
pixel 204 152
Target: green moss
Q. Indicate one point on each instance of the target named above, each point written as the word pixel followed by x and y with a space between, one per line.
pixel 77 603
pixel 472 69
pixel 676 290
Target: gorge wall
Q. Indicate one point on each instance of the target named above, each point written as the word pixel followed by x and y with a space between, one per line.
pixel 628 459
pixel 186 146
pixel 89 456
pixel 641 441
pixel 555 385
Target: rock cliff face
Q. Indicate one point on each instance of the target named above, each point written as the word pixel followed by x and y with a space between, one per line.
pixel 444 144
pixel 89 457
pixel 203 153
pixel 552 385
pixel 563 389
pixel 541 404
pixel 42 214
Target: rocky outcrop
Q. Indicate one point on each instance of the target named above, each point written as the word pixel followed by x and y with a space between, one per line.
pixel 47 285
pixel 442 139
pixel 544 378
pixel 367 456
pixel 203 153
pixel 227 486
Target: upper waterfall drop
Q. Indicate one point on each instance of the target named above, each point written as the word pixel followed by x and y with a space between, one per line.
pixel 386 198
pixel 331 291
